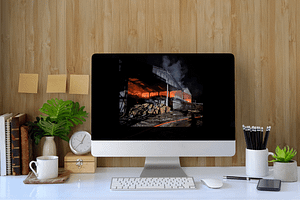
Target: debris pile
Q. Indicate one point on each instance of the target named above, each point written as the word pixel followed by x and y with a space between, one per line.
pixel 148 109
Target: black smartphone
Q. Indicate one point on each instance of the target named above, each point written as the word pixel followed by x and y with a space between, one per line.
pixel 269 184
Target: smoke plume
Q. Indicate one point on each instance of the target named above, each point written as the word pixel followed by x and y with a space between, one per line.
pixel 175 68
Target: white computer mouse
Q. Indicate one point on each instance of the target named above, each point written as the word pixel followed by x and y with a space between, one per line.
pixel 212 183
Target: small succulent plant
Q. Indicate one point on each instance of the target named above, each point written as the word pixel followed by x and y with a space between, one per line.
pixel 284 155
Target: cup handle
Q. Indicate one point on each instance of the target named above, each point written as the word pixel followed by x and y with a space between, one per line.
pixel 270 154
pixel 32 168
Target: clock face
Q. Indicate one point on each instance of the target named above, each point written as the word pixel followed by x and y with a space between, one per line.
pixel 80 142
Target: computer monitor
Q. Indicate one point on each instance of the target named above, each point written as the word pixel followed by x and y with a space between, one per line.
pixel 163 106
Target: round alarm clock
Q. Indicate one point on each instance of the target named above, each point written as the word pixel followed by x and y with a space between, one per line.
pixel 80 142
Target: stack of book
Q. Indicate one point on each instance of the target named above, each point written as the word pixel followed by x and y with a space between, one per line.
pixel 15 145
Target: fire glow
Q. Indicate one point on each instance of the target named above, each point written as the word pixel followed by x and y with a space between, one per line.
pixel 138 88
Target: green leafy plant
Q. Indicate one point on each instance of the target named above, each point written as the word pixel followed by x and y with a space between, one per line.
pixel 35 132
pixel 283 155
pixel 61 116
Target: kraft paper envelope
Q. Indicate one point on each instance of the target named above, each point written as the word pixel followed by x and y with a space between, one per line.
pixel 79 84
pixel 28 83
pixel 57 83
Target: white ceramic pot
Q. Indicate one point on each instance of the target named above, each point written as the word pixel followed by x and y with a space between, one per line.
pixel 49 148
pixel 286 171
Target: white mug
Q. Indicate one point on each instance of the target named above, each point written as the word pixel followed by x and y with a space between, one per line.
pixel 47 167
pixel 257 162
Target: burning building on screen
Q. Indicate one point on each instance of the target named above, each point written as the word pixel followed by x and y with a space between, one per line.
pixel 150 95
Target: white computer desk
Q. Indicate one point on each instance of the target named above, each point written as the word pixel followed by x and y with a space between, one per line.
pixel 96 186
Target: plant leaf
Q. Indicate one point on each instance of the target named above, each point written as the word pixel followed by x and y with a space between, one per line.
pixel 55 129
pixel 77 115
pixel 57 109
pixel 283 155
pixel 61 116
pixel 280 153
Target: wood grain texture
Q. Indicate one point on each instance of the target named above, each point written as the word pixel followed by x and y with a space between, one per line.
pixel 59 37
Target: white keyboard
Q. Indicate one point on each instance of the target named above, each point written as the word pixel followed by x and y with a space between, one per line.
pixel 152 183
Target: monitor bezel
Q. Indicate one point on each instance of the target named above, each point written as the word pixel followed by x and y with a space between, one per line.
pixel 219 131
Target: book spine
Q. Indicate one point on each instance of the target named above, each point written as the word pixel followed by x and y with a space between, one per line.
pixel 15 147
pixel 16 122
pixel 8 147
pixel 2 147
pixel 25 142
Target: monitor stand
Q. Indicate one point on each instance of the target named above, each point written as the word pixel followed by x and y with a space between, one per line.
pixel 162 167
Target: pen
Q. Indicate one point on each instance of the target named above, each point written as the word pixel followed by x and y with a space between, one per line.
pixel 241 178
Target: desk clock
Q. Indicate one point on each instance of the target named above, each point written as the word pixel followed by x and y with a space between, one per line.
pixel 80 142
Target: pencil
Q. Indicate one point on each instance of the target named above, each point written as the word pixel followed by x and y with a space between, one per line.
pixel 254 137
pixel 268 129
pixel 246 136
pixel 248 131
pixel 258 138
pixel 261 137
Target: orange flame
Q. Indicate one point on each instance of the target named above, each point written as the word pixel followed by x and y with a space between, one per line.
pixel 144 92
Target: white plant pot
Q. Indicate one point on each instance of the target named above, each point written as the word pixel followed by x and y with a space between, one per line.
pixel 286 171
pixel 49 147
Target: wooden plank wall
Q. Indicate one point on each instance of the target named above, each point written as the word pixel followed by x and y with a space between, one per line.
pixel 59 37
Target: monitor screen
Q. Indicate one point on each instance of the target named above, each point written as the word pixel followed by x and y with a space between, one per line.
pixel 163 96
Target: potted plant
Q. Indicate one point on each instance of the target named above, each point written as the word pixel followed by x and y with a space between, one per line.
pixel 60 117
pixel 285 168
